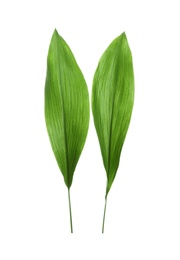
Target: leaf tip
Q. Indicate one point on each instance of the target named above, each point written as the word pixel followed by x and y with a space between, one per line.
pixel 121 38
pixel 55 33
pixel 123 35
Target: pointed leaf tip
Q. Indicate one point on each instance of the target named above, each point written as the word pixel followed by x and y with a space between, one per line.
pixel 55 34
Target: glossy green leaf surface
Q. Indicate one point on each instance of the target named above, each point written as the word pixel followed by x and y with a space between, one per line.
pixel 112 102
pixel 66 106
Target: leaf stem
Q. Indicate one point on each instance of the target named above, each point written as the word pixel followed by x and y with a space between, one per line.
pixel 104 214
pixel 70 213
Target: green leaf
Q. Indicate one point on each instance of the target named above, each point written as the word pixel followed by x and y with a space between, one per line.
pixel 66 106
pixel 112 102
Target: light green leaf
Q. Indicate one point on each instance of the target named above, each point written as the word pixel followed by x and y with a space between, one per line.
pixel 112 102
pixel 66 106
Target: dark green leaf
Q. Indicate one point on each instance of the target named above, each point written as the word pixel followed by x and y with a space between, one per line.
pixel 66 106
pixel 112 102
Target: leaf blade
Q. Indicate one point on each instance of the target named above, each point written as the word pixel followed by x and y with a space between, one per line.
pixel 112 102
pixel 66 106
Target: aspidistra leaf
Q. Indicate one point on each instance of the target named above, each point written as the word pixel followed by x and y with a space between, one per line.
pixel 66 106
pixel 112 102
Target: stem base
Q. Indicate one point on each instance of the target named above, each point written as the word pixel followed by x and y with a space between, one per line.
pixel 70 212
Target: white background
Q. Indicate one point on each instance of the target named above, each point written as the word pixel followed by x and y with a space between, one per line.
pixel 143 211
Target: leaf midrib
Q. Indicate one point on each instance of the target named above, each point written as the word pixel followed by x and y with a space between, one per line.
pixel 63 113
pixel 111 122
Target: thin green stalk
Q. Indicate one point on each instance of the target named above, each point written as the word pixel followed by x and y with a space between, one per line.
pixel 70 213
pixel 104 214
